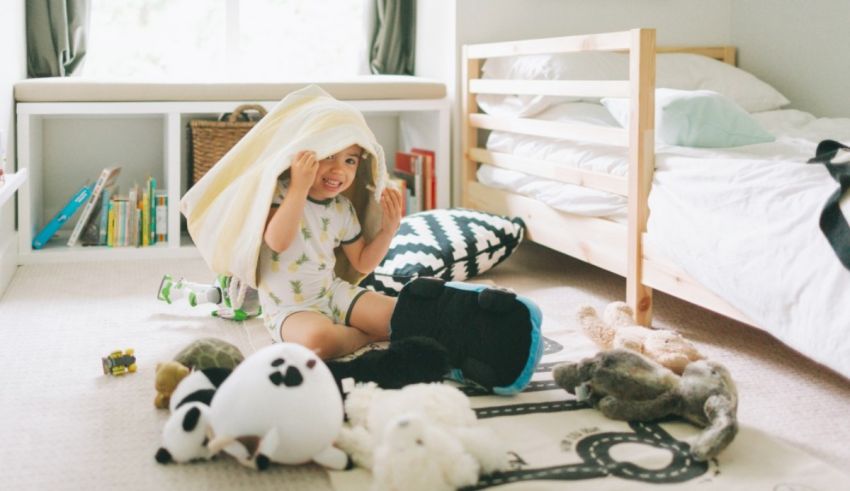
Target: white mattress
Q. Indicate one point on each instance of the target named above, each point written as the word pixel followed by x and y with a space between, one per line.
pixel 741 221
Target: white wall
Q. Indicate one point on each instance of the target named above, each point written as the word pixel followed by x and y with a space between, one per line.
pixel 798 46
pixel 12 69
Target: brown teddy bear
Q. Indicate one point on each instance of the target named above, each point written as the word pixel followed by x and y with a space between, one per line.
pixel 628 386
pixel 616 330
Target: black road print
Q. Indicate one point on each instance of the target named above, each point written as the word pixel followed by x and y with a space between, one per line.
pixel 595 453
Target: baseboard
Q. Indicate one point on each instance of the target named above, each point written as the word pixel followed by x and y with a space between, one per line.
pixel 8 260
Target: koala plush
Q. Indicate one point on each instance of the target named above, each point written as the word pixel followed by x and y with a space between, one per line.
pixel 628 386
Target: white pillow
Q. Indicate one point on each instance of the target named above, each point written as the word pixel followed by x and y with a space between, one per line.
pixel 696 72
pixel 564 66
pixel 673 70
pixel 696 118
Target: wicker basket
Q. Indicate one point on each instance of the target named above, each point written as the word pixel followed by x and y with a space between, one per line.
pixel 212 139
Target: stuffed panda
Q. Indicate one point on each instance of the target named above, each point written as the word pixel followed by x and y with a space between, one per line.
pixel 279 405
pixel 185 434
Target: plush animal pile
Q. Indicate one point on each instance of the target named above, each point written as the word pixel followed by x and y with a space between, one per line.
pixel 628 386
pixel 421 437
pixel 279 405
pixel 617 330
pixel 200 354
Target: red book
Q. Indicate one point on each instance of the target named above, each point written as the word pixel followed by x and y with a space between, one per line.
pixel 430 176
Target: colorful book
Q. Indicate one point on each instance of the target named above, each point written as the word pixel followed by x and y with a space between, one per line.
pixel 55 223
pixel 103 232
pixel 106 179
pixel 430 176
pixel 152 210
pixel 161 216
pixel 408 166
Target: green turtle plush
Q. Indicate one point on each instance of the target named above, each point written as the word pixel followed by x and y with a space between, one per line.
pixel 200 354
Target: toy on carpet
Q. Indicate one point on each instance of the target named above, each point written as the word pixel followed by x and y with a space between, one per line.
pixel 185 434
pixel 279 405
pixel 235 300
pixel 200 354
pixel 492 335
pixel 404 362
pixel 617 329
pixel 628 386
pixel 119 362
pixel 420 437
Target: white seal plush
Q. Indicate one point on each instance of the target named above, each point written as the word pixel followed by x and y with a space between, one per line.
pixel 279 405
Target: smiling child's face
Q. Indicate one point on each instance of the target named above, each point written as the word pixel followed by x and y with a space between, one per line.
pixel 336 173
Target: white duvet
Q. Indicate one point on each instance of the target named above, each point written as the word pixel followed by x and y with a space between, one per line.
pixel 744 223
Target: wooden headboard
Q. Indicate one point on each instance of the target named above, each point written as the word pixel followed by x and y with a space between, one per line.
pixel 726 54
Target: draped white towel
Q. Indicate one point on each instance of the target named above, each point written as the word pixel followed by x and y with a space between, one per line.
pixel 226 210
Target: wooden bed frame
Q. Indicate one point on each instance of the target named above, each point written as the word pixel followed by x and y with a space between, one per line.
pixel 612 246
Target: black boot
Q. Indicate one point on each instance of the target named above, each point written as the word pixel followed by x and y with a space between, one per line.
pixel 492 335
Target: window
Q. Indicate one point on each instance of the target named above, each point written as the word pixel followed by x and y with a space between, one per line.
pixel 203 40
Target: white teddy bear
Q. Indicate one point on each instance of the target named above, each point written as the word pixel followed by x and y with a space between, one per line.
pixel 617 330
pixel 420 437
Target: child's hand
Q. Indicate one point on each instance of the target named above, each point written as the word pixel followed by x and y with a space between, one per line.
pixel 303 170
pixel 391 207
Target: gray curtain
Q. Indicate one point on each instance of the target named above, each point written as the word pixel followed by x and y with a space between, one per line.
pixel 394 38
pixel 56 36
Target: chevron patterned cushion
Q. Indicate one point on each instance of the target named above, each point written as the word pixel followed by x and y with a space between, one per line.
pixel 454 244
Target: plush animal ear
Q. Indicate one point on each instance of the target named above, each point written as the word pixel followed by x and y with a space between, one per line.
pixel 158 366
pixel 163 456
pixel 190 419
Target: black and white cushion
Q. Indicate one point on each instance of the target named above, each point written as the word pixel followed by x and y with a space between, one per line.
pixel 454 244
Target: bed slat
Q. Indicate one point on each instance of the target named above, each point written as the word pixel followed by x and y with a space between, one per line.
pixel 594 240
pixel 582 88
pixel 552 170
pixel 551 129
pixel 610 41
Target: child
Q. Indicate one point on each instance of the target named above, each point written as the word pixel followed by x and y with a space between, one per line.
pixel 302 300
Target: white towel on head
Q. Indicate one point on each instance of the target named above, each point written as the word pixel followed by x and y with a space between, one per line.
pixel 226 210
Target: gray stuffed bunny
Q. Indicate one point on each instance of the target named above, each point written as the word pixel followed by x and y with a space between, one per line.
pixel 628 386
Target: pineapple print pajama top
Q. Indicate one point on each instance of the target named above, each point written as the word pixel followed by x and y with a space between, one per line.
pixel 301 278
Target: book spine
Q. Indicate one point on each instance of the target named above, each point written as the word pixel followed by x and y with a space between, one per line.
pixel 152 210
pixel 146 218
pixel 110 233
pixel 60 218
pixel 104 217
pixel 161 216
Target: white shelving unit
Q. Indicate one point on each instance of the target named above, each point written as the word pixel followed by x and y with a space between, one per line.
pixel 11 184
pixel 62 145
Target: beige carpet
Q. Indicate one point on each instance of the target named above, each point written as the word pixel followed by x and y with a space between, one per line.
pixel 64 425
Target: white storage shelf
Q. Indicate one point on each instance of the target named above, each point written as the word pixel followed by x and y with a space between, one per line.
pixel 63 145
pixel 10 184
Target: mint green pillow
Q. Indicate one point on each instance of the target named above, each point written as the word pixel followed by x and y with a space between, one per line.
pixel 696 118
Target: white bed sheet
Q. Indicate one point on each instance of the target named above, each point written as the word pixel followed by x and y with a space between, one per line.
pixel 744 223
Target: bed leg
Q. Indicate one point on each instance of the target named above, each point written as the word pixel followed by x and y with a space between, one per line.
pixel 639 298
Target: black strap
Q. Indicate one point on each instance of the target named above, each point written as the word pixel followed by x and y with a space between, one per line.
pixel 832 222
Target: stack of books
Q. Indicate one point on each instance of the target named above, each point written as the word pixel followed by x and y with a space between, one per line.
pixel 108 218
pixel 414 175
